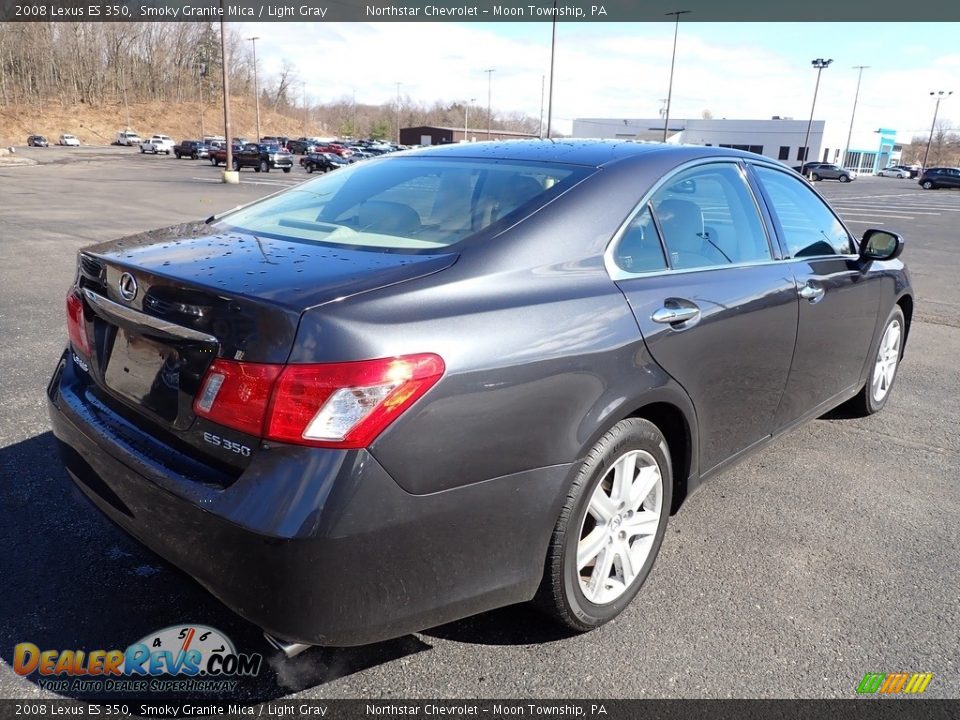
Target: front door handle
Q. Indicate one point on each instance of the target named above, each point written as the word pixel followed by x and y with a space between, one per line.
pixel 813 293
pixel 675 314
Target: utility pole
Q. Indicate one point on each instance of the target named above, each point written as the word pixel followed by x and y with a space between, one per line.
pixel 229 176
pixel 256 86
pixel 466 119
pixel 553 50
pixel 819 64
pixel 856 96
pixel 673 58
pixel 398 113
pixel 939 94
pixel 303 87
pixel 201 74
pixel 489 73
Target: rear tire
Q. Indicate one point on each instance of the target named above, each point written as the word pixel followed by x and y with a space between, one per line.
pixel 178 155
pixel 815 177
pixel 214 162
pixel 883 371
pixel 142 151
pixel 236 165
pixel 309 167
pixel 609 533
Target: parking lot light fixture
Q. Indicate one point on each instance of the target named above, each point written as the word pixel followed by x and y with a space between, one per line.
pixel 256 85
pixel 819 64
pixel 939 95
pixel 673 58
pixel 398 113
pixel 230 176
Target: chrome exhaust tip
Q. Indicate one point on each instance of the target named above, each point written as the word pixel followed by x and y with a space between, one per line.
pixel 287 648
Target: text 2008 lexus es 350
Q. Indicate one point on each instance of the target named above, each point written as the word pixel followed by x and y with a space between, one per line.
pixel 457 378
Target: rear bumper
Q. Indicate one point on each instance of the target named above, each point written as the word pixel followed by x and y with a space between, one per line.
pixel 318 546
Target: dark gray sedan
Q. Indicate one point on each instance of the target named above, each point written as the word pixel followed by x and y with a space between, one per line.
pixel 439 382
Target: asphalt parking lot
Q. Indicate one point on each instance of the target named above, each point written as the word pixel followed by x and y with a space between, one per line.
pixel 830 554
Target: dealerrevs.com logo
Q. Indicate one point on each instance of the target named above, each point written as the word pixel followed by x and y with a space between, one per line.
pixel 180 658
pixel 894 683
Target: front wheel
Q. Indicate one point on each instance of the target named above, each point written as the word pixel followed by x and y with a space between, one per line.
pixel 142 151
pixel 214 162
pixel 815 177
pixel 610 528
pixel 927 185
pixel 883 372
pixel 236 165
pixel 844 178
pixel 309 167
pixel 286 170
pixel 178 155
pixel 264 166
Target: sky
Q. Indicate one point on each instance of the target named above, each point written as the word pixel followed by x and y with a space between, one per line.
pixel 621 70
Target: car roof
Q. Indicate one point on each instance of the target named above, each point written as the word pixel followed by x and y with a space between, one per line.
pixel 593 153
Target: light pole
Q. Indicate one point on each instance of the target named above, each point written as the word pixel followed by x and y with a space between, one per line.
pixel 201 74
pixel 229 176
pixel 303 88
pixel 398 113
pixel 543 82
pixel 939 95
pixel 489 73
pixel 256 86
pixel 856 96
pixel 553 51
pixel 466 119
pixel 819 64
pixel 673 58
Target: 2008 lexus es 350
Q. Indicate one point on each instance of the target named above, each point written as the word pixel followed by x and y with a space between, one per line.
pixel 461 377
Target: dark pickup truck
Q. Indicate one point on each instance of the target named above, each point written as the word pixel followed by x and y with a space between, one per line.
pixel 263 158
pixel 192 149
pixel 323 162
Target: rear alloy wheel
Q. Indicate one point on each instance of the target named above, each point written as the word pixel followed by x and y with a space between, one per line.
pixel 610 529
pixel 193 156
pixel 883 372
pixel 309 167
pixel 926 185
pixel 214 162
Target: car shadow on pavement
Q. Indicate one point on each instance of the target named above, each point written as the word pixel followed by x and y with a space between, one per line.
pixel 72 580
pixel 513 625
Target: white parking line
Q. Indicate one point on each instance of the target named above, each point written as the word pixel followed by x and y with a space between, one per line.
pixel 864 222
pixel 847 208
pixel 899 217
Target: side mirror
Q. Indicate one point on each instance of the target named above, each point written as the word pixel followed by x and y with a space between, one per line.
pixel 880 245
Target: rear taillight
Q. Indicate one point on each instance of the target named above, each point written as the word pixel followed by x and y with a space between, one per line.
pixel 341 405
pixel 76 325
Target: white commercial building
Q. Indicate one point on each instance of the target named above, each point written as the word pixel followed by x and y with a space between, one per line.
pixel 778 138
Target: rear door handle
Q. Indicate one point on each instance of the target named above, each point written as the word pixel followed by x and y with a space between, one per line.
pixel 811 292
pixel 675 314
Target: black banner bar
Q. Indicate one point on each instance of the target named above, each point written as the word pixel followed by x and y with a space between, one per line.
pixel 475 11
pixel 862 709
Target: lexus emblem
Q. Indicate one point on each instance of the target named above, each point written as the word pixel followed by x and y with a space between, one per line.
pixel 127 286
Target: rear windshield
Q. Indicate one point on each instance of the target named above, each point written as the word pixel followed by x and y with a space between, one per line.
pixel 407 203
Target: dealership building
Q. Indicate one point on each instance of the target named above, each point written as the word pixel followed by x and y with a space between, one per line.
pixel 777 138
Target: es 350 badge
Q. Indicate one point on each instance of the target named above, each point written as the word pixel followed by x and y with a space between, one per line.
pixel 186 650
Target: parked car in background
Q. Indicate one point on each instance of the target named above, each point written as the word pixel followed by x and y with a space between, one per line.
pixel 68 140
pixel 218 155
pixel 425 387
pixel 302 146
pixel 37 141
pixel 827 171
pixel 278 140
pixel 894 172
pixel 214 140
pixel 157 144
pixel 936 178
pixel 912 170
pixel 322 162
pixel 193 149
pixel 335 149
pixel 263 157
pixel 127 138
